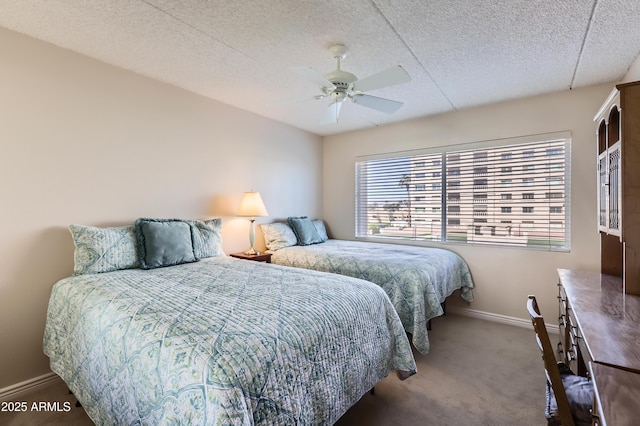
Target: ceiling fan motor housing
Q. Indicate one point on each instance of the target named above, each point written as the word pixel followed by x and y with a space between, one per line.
pixel 341 79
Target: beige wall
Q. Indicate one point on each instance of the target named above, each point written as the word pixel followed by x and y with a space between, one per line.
pixel 504 277
pixel 84 142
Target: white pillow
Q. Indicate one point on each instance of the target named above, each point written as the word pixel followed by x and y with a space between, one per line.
pixel 278 235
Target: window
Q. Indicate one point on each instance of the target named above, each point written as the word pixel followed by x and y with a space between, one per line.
pixel 419 175
pixel 467 191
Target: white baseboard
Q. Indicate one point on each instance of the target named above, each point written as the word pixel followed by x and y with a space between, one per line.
pixel 503 319
pixel 31 385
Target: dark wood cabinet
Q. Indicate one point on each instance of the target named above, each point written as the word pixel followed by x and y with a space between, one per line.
pixel 618 144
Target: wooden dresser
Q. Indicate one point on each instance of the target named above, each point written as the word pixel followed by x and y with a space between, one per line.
pixel 600 337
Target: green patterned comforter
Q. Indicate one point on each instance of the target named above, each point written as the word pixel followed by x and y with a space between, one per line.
pixel 222 342
pixel 416 279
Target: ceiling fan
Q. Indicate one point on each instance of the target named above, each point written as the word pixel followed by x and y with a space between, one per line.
pixel 340 86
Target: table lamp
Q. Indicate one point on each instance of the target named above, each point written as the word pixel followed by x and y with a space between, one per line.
pixel 252 206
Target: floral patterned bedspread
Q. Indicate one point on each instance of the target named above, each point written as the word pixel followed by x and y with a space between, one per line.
pixel 416 279
pixel 222 342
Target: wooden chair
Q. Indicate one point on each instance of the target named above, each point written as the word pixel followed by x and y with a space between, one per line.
pixel 569 396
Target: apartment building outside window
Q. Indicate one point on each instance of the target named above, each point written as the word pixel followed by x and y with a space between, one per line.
pixel 461 196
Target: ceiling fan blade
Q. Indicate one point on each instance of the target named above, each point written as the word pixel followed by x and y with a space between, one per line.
pixel 379 104
pixel 332 113
pixel 389 77
pixel 314 76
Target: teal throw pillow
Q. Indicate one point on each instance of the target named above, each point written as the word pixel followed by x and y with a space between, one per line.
pixel 164 242
pixel 305 230
pixel 322 231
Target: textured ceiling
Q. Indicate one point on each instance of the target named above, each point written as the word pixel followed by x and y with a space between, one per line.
pixel 459 53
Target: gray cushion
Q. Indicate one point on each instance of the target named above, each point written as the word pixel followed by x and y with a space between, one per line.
pixel 164 242
pixel 579 392
pixel 305 230
pixel 207 238
pixel 322 231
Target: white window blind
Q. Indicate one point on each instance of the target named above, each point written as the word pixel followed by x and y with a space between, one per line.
pixel 506 192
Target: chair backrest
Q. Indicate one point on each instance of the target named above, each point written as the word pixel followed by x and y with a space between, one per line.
pixel 550 362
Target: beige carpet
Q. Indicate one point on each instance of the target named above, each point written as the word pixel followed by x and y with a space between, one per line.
pixel 477 373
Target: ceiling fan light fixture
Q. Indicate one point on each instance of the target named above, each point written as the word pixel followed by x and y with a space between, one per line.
pixel 342 85
pixel 341 78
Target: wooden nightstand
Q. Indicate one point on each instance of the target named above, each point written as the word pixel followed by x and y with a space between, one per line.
pixel 262 257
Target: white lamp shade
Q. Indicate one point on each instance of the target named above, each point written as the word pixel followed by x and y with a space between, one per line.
pixel 252 205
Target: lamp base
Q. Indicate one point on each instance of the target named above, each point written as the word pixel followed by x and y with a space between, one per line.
pixel 252 252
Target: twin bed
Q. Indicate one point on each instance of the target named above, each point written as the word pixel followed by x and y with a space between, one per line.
pixel 209 339
pixel 416 279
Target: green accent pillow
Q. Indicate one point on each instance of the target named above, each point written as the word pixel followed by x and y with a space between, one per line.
pixel 164 242
pixel 207 238
pixel 103 249
pixel 305 230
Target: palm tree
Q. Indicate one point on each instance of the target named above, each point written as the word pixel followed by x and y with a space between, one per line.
pixel 391 208
pixel 405 181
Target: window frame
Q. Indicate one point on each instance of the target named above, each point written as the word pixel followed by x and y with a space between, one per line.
pixel 453 156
